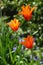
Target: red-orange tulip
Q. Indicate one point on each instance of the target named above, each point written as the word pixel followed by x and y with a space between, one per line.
pixel 27 12
pixel 28 42
pixel 14 24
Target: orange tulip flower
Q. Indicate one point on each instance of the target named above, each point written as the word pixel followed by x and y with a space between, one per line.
pixel 14 24
pixel 28 42
pixel 27 12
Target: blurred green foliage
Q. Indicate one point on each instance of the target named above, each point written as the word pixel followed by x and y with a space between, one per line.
pixel 9 39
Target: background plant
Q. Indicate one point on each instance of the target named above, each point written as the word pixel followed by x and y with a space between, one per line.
pixel 11 52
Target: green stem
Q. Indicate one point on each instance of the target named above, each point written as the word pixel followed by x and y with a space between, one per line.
pixel 2 53
pixel 11 56
pixel 32 56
